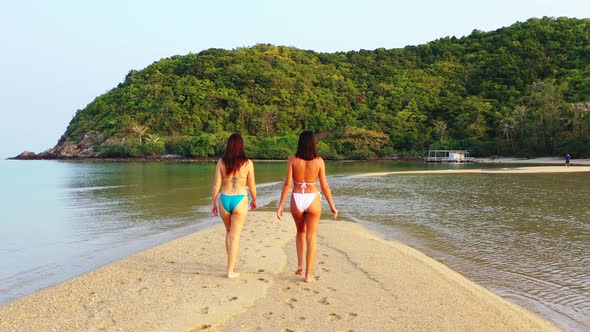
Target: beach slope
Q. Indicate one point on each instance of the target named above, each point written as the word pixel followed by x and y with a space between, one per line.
pixel 362 283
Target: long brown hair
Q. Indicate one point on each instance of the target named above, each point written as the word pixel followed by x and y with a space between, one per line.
pixel 235 154
pixel 306 148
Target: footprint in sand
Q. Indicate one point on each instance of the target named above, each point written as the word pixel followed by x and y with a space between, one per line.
pixel 322 263
pixel 309 290
pixel 325 270
pixel 233 298
pixel 332 289
pixel 325 255
pixel 324 301
pixel 204 310
pixel 266 315
pixel 262 279
pixel 287 288
pixel 301 318
pixel 290 303
pixel 350 315
pixel 202 328
pixel 260 270
pixel 332 317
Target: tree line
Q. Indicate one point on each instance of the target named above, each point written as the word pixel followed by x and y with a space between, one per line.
pixel 521 90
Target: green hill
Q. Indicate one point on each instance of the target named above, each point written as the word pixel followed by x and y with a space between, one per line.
pixel 522 90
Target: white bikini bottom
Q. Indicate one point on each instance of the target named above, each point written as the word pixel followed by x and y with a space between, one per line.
pixel 304 200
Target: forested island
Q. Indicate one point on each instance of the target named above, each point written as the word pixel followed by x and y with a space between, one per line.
pixel 522 90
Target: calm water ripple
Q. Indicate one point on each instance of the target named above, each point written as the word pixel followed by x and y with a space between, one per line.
pixel 524 236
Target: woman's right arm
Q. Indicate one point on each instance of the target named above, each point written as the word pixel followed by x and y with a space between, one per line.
pixel 326 188
pixel 215 189
pixel 286 187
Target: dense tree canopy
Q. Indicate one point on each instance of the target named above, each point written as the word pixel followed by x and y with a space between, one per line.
pixel 520 90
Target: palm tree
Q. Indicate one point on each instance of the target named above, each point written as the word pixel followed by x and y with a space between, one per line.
pixel 520 113
pixel 441 128
pixel 139 130
pixel 580 118
pixel 507 128
pixel 152 138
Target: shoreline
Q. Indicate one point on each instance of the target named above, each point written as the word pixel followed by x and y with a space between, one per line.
pixel 179 159
pixel 503 170
pixel 180 285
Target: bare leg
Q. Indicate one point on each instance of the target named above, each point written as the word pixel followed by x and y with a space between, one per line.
pixel 299 218
pixel 312 232
pixel 226 218
pixel 311 220
pixel 236 222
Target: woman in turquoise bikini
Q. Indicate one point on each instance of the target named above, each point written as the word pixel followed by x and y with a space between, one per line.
pixel 234 174
pixel 304 169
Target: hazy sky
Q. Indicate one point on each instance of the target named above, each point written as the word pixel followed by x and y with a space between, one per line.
pixel 57 56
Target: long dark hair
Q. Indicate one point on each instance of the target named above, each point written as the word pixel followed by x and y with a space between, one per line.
pixel 306 148
pixel 235 154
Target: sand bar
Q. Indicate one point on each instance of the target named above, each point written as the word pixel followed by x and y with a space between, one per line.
pixel 503 170
pixel 363 283
pixel 540 160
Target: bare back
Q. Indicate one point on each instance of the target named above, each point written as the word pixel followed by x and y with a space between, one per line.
pixel 239 181
pixel 306 171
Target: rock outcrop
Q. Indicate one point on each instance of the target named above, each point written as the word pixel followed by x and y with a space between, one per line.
pixel 66 148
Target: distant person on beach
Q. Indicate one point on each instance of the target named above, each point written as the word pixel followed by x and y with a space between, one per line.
pixel 304 169
pixel 233 173
pixel 568 158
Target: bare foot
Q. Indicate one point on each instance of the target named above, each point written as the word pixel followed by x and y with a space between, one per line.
pixel 232 275
pixel 299 272
pixel 308 279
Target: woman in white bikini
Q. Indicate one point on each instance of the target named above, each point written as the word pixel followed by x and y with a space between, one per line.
pixel 304 169
pixel 234 172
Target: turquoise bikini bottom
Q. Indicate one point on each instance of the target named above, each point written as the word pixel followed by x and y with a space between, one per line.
pixel 230 202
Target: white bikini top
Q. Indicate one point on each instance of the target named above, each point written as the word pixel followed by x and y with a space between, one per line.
pixel 304 185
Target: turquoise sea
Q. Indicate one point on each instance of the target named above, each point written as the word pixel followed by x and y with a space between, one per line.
pixel 526 237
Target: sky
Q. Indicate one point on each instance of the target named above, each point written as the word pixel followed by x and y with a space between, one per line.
pixel 57 56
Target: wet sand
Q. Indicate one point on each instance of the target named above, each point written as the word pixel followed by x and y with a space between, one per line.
pixel 362 282
pixel 540 160
pixel 503 170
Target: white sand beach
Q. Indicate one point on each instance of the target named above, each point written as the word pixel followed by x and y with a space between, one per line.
pixel 541 160
pixel 503 170
pixel 363 283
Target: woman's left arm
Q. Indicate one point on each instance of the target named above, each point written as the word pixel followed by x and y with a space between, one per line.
pixel 252 185
pixel 326 189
